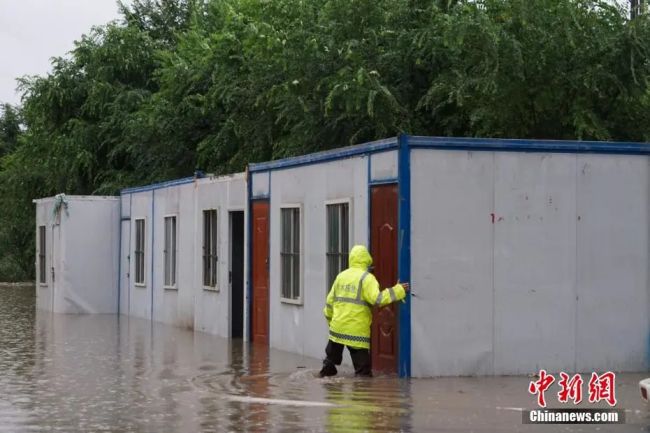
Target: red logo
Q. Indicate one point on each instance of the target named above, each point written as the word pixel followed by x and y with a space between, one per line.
pixel 600 388
pixel 539 387
pixel 571 388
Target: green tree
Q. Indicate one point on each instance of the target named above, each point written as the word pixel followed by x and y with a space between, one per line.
pixel 9 129
pixel 179 85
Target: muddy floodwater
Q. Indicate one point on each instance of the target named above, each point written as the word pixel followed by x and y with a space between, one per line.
pixel 103 373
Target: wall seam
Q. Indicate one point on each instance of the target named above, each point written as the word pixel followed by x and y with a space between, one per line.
pixel 119 260
pixel 648 273
pixel 494 319
pixel 130 228
pixel 153 245
pixel 576 269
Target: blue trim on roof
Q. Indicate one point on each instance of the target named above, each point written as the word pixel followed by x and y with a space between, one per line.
pixel 158 185
pixel 516 145
pixel 326 156
pixel 404 254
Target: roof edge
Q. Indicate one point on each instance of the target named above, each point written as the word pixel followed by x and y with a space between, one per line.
pixel 158 185
pixel 530 145
pixel 326 155
pixel 79 198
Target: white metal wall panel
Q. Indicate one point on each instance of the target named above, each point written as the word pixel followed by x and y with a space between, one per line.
pixel 126 205
pixel 534 262
pixel 451 262
pixel 302 328
pixel 561 239
pixel 212 307
pixel 82 255
pixel 166 204
pixel 383 165
pixel 260 184
pixel 186 246
pixel 44 290
pixel 90 255
pixel 140 295
pixel 613 246
pixel 125 273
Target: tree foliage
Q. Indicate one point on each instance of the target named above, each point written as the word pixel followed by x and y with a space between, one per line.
pixel 180 85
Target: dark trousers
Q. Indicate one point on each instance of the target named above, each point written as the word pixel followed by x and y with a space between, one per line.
pixel 334 352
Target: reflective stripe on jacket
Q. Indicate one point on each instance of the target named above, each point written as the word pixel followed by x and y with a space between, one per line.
pixel 355 291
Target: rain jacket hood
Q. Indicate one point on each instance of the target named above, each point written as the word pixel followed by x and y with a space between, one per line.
pixel 360 257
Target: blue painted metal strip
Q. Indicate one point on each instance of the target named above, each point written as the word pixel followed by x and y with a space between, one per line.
pixel 159 185
pixel 514 145
pixel 151 254
pixel 326 156
pixel 404 254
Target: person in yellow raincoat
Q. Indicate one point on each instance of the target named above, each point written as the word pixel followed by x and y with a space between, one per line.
pixel 348 311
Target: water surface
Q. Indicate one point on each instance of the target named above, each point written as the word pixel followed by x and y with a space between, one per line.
pixel 103 373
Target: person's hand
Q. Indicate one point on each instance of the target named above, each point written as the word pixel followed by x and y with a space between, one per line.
pixel 406 286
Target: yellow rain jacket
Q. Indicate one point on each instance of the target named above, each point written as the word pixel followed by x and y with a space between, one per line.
pixel 355 291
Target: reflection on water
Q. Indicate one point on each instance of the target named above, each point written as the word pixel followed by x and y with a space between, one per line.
pixel 102 373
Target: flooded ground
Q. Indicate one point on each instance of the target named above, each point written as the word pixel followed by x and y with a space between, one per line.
pixel 100 373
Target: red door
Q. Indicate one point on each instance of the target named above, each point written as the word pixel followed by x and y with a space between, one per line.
pixel 260 268
pixel 383 247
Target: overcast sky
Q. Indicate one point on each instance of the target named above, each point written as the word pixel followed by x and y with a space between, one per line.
pixel 33 31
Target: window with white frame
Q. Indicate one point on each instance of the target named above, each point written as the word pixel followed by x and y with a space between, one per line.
pixel 169 252
pixel 338 240
pixel 290 253
pixel 210 258
pixel 42 277
pixel 139 250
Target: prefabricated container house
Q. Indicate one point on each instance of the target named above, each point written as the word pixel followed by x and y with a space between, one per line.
pixel 77 254
pixel 521 254
pixel 182 260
